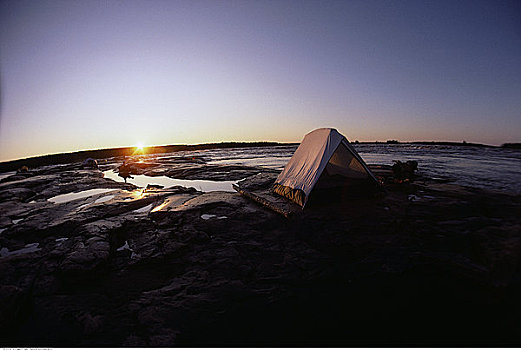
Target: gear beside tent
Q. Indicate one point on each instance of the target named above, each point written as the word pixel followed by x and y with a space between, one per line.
pixel 324 161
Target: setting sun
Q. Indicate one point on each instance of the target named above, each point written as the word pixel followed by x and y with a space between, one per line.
pixel 139 146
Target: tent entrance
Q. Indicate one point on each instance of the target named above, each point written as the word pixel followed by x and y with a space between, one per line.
pixel 343 177
pixel 343 170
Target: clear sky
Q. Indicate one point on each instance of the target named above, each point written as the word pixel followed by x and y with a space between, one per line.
pixel 96 74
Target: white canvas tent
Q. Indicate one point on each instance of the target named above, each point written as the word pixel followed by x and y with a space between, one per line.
pixel 324 159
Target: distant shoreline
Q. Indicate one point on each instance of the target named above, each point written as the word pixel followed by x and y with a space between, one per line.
pixel 79 156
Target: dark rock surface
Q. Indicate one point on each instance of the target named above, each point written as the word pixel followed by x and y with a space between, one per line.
pixel 425 264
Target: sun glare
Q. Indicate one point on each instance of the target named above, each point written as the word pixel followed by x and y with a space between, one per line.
pixel 139 146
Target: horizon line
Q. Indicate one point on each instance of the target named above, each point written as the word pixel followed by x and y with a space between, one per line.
pixel 389 141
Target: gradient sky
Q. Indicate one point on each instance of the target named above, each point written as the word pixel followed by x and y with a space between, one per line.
pixel 96 74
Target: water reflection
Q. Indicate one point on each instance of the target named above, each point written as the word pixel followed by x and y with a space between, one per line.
pixel 201 185
pixel 145 209
pixel 67 197
pixel 103 199
pixel 159 207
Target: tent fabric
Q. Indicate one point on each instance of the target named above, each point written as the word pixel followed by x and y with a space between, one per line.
pixel 321 149
pixel 294 195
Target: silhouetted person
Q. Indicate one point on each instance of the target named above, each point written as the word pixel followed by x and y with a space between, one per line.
pixel 124 171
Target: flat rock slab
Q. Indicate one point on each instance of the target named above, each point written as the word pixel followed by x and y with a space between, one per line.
pixel 258 188
pixel 270 200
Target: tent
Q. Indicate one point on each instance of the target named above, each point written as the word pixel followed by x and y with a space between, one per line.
pixel 324 160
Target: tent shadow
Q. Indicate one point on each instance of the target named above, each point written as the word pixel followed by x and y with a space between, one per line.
pixel 336 198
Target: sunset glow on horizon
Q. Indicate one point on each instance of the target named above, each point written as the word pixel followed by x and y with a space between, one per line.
pixel 78 75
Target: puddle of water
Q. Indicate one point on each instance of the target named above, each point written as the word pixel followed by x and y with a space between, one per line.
pixel 2 230
pixel 210 216
pixel 97 201
pixel 124 247
pixel 60 241
pixel 16 221
pixel 127 247
pixel 103 199
pixel 135 194
pixel 84 206
pixel 29 248
pixel 207 216
pixel 201 185
pixel 413 198
pixel 144 209
pixel 159 207
pixel 67 197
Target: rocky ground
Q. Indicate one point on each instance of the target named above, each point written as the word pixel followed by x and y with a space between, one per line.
pixel 425 263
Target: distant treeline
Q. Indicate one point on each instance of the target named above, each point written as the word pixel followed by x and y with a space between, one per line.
pixel 80 156
pixel 439 143
pixel 464 143
pixel 450 143
pixel 442 143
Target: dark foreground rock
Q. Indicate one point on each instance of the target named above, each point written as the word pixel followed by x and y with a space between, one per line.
pixel 423 264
